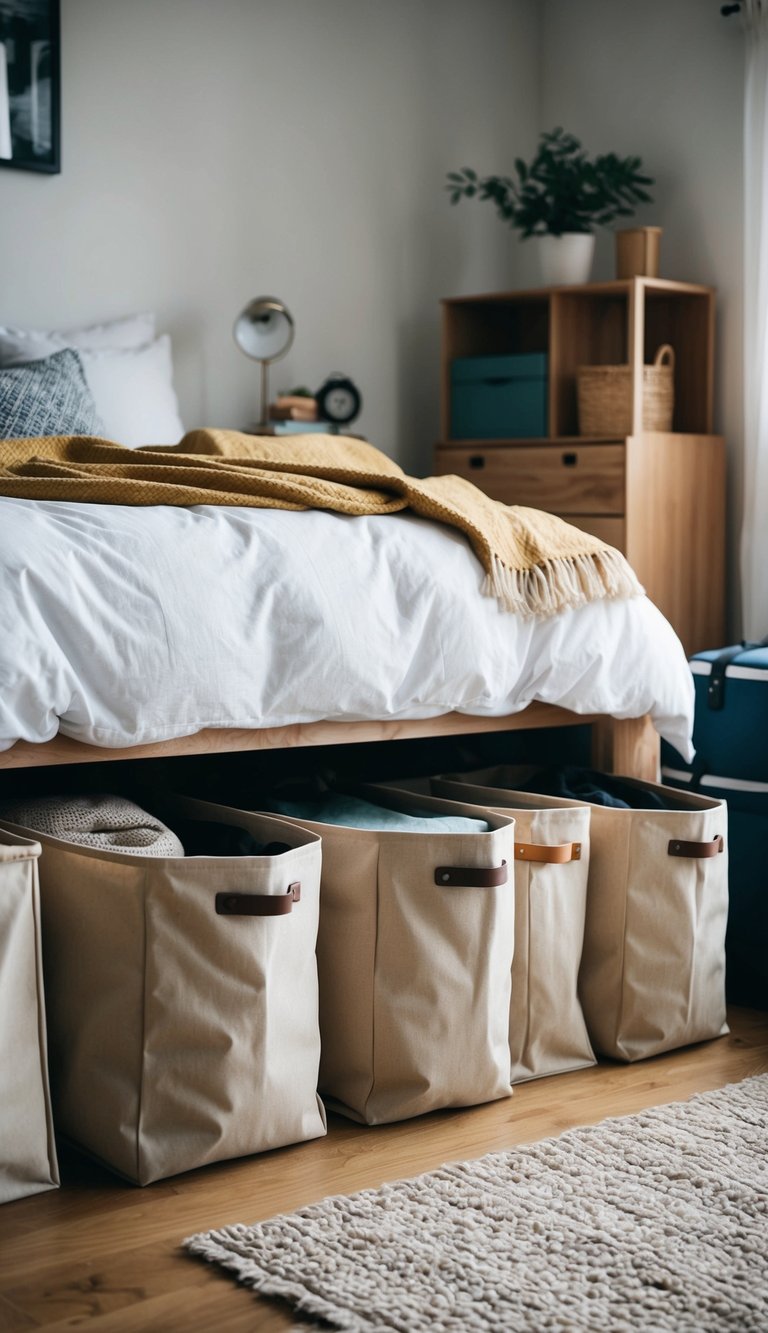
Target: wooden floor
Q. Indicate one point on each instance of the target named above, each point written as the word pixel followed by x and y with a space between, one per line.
pixel 105 1255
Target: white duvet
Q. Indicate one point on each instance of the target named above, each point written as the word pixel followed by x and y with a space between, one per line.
pixel 122 625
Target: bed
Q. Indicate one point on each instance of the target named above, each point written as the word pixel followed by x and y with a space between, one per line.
pixel 141 632
pixel 165 626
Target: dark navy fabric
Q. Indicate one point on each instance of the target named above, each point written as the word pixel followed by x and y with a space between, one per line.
pixel 586 784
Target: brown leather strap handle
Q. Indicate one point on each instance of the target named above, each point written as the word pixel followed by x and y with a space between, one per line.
pixel 258 904
pixel 696 849
pixel 556 854
pixel 471 877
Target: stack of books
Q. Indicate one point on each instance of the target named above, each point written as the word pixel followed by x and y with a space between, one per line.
pixel 293 407
pixel 295 413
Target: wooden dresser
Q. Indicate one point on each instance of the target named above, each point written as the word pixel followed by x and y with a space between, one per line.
pixel 658 497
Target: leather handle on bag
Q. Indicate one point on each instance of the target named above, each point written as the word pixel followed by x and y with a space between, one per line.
pixel 696 849
pixel 258 904
pixel 551 854
pixel 471 877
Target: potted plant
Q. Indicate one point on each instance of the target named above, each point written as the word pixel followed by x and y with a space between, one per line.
pixel 561 195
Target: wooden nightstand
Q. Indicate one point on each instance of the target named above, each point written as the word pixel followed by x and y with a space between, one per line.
pixel 658 497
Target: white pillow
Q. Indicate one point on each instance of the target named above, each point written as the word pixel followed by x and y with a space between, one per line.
pixel 18 346
pixel 134 394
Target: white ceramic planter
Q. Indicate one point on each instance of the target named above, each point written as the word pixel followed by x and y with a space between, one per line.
pixel 566 259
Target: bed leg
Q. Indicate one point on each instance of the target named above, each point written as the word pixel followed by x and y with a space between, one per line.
pixel 626 745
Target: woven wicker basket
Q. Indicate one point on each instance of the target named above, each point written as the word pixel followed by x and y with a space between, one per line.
pixel 605 396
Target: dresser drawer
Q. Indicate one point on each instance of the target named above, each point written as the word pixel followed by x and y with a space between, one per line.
pixel 607 529
pixel 585 479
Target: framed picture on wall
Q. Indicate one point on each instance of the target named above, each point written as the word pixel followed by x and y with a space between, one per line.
pixel 30 85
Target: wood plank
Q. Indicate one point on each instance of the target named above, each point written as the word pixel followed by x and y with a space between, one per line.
pixel 675 530
pixel 687 324
pixel 635 351
pixel 196 1312
pixel 630 747
pixel 607 529
pixel 64 750
pixel 613 286
pixel 79 1291
pixel 107 1255
pixel 13 1320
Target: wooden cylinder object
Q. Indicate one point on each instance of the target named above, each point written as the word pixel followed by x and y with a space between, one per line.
pixel 637 252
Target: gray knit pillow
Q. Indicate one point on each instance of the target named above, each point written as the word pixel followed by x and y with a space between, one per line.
pixel 47 397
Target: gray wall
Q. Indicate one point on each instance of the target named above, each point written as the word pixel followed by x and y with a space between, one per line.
pixel 665 79
pixel 213 152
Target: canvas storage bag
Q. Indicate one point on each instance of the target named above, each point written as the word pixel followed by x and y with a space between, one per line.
pixel 547 1031
pixel 652 974
pixel 182 997
pixel 414 953
pixel 27 1149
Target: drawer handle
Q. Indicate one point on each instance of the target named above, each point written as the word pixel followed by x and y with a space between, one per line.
pixel 570 460
pixel 477 461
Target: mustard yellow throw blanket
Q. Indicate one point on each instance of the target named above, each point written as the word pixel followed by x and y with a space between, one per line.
pixel 535 564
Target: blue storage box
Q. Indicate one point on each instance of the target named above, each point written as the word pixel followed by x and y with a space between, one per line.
pixel 730 734
pixel 499 397
pixel 731 719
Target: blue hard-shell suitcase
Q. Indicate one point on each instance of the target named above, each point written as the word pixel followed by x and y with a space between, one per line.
pixel 731 762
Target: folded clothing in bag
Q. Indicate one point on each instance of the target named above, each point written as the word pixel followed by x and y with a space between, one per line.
pixel 118 824
pixel 354 812
pixel 104 822
pixel 585 784
pixel 205 837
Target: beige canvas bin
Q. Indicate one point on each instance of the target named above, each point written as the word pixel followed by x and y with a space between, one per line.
pixel 414 953
pixel 27 1150
pixel 652 974
pixel 547 1031
pixel 182 1019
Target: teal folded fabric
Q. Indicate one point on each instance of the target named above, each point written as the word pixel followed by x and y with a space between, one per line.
pixel 351 812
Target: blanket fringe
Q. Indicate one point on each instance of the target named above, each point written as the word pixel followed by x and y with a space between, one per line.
pixel 562 584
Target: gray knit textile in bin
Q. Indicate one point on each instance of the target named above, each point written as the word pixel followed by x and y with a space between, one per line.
pixel 104 822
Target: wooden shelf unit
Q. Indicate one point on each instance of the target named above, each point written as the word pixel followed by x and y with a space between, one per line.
pixel 658 497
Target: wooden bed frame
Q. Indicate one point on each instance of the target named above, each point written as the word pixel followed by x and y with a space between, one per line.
pixel 629 746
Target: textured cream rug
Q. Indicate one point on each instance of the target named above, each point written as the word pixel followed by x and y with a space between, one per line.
pixel 651 1222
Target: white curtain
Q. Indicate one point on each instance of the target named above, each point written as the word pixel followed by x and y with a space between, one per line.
pixel 754 552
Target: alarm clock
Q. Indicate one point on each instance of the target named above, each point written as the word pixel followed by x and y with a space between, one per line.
pixel 338 400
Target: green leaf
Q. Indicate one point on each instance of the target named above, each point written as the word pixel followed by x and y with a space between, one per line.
pixel 560 189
